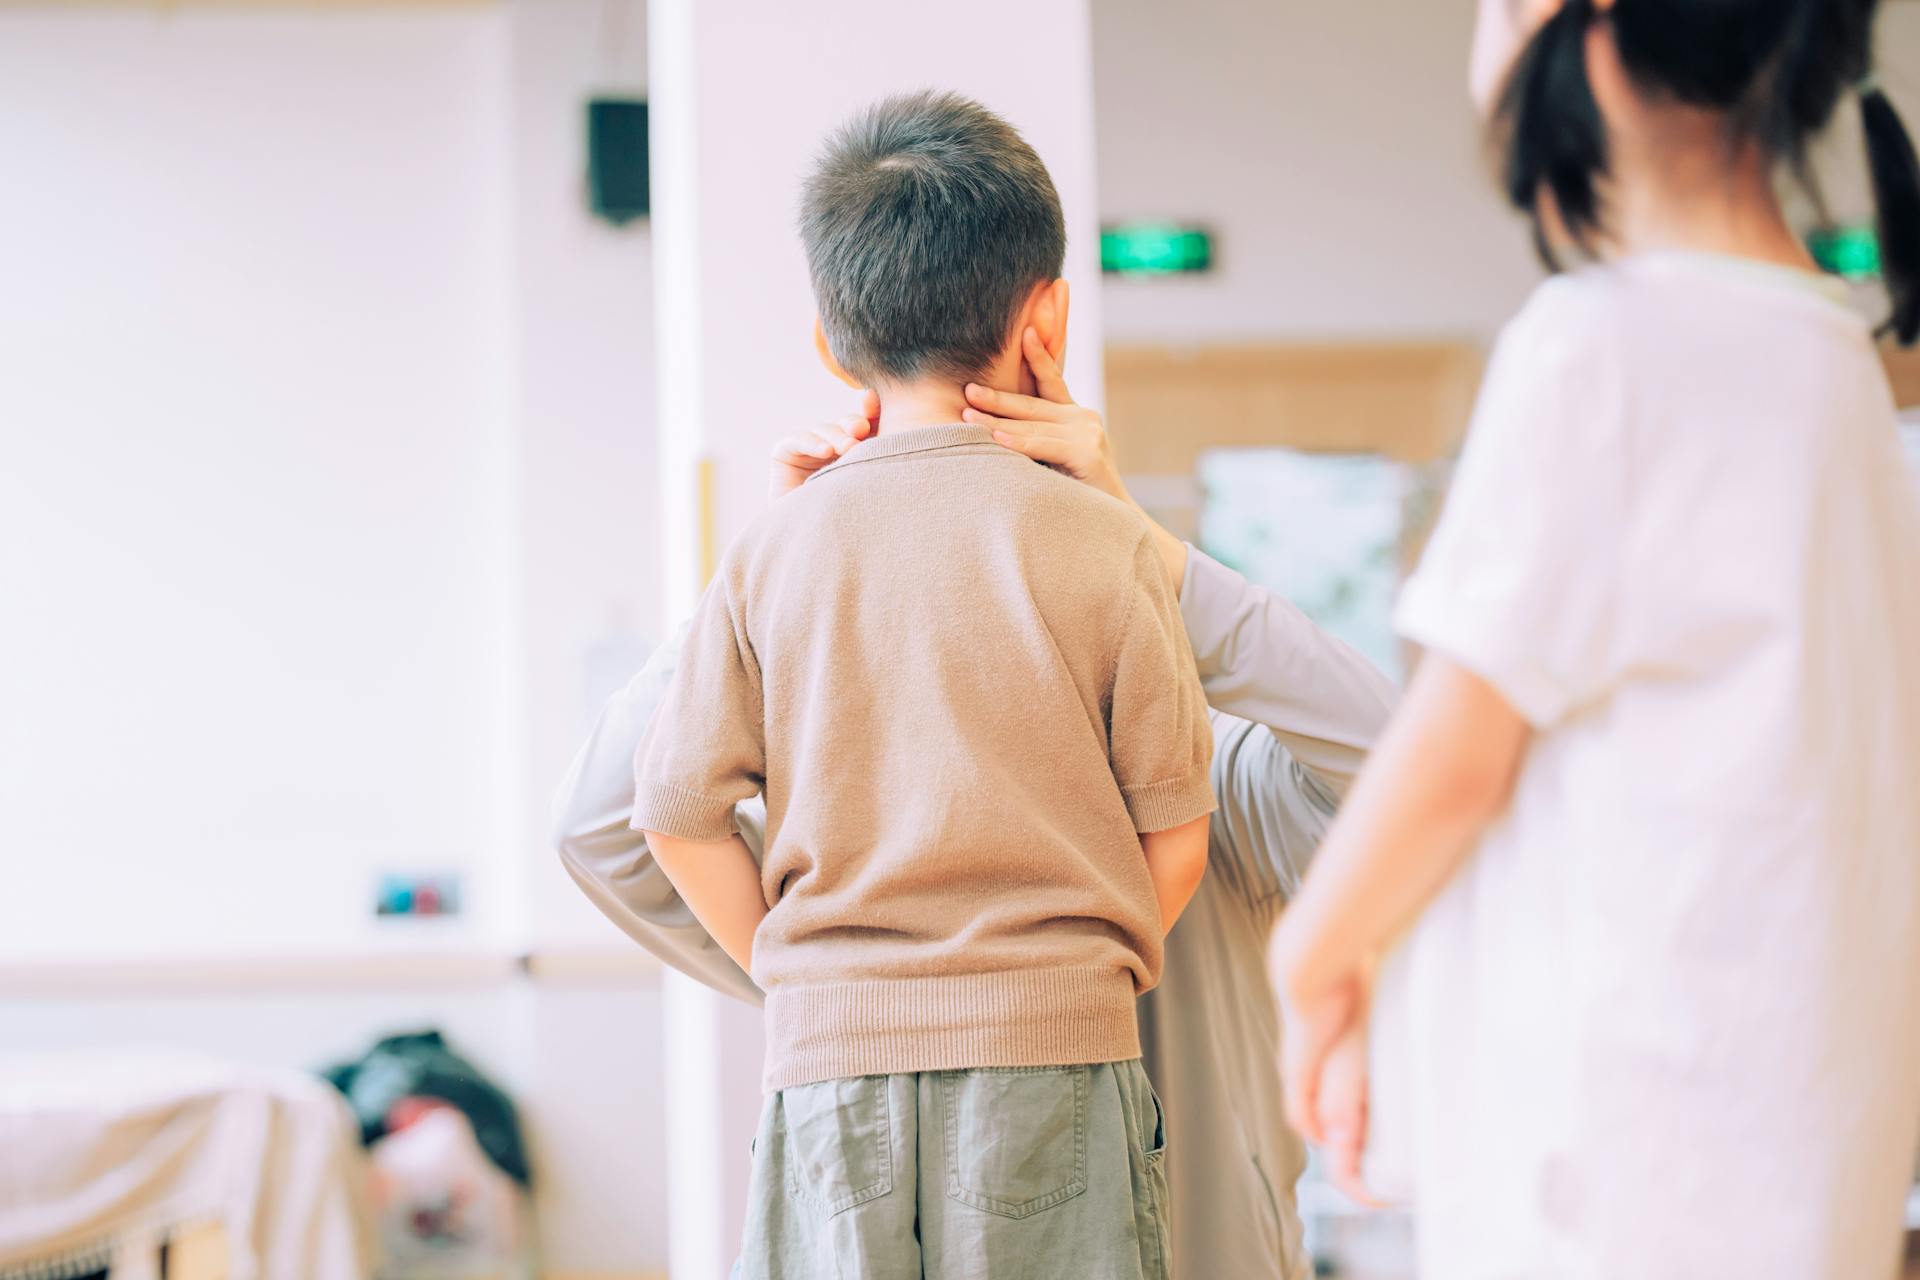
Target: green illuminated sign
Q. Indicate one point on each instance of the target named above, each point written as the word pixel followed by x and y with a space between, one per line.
pixel 1154 249
pixel 1849 252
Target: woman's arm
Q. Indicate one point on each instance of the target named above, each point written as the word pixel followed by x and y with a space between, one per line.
pixel 1444 768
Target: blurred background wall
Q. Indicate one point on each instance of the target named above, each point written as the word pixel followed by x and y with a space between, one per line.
pixel 1333 150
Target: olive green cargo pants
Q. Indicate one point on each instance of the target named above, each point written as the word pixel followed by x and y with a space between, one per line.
pixel 1046 1173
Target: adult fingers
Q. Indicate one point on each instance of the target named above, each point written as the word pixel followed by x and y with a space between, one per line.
pixel 1011 404
pixel 1343 1119
pixel 1047 378
pixel 1024 428
pixel 1345 1152
pixel 1343 1171
pixel 1021 437
pixel 858 426
pixel 810 450
pixel 804 446
pixel 1300 1091
pixel 796 458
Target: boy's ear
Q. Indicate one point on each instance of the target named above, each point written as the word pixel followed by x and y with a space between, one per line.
pixel 826 356
pixel 1049 318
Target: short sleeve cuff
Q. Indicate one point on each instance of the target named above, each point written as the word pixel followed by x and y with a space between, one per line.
pixel 1482 642
pixel 1159 806
pixel 681 812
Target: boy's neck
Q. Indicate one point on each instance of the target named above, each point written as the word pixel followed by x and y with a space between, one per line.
pixel 920 404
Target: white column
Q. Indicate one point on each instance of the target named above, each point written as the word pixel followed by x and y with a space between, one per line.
pixel 743 93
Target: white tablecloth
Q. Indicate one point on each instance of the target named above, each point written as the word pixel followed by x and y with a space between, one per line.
pixel 103 1155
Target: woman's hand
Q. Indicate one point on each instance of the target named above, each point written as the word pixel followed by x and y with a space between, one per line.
pixel 797 457
pixel 1051 428
pixel 1323 1065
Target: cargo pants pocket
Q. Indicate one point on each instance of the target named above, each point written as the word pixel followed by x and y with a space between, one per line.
pixel 1016 1138
pixel 839 1142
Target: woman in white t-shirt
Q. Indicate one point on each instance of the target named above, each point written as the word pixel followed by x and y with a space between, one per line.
pixel 1651 806
pixel 1646 827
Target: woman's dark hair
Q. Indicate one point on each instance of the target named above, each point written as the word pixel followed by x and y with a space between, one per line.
pixel 1776 68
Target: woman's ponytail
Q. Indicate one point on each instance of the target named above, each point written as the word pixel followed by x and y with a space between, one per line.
pixel 1556 142
pixel 1777 69
pixel 1896 192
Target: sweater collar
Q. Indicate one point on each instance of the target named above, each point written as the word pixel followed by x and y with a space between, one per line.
pixel 914 440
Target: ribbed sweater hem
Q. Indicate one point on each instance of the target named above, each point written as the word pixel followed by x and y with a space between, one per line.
pixel 1020 1018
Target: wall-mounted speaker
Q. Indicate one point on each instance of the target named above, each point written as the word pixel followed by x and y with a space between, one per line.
pixel 618 186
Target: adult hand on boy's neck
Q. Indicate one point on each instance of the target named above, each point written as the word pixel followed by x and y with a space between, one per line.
pixel 799 456
pixel 930 402
pixel 937 402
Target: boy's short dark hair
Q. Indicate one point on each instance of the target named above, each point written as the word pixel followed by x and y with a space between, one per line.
pixel 927 222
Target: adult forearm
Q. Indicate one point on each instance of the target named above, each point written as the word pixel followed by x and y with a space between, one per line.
pixel 720 883
pixel 1262 659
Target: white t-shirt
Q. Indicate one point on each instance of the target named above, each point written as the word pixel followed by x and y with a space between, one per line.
pixel 1666 1021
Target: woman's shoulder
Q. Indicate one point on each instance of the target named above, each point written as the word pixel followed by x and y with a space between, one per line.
pixel 1574 310
pixel 1563 347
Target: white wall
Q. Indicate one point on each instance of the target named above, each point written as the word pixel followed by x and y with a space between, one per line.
pixel 256 328
pixel 1332 150
pixel 328 408
pixel 588 525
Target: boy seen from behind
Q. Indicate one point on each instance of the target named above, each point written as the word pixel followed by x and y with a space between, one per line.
pixel 963 685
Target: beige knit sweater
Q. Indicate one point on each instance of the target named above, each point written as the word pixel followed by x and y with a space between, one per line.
pixel 963 683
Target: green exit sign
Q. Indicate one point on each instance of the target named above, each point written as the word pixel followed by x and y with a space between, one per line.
pixel 1850 252
pixel 1154 249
